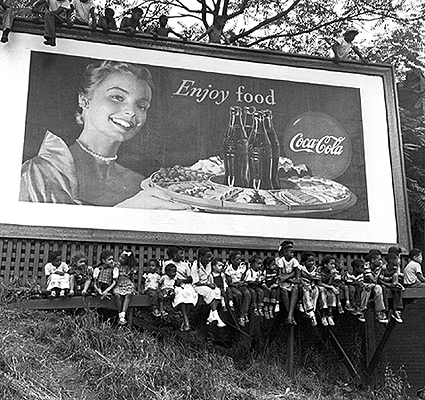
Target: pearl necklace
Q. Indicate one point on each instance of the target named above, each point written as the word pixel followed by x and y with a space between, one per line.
pixel 95 155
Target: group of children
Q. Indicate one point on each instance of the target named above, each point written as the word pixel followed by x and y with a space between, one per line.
pixel 108 278
pixel 83 12
pixel 257 289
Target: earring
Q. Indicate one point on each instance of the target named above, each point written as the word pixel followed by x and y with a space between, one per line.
pixel 83 103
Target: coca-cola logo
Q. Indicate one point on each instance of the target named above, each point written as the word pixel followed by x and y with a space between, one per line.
pixel 325 145
pixel 320 142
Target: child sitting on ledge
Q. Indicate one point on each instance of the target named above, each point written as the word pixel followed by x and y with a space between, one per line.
pixel 56 274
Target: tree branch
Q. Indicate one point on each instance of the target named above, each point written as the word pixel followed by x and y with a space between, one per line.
pixel 265 22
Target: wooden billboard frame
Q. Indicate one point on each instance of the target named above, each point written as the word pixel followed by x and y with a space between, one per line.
pixel 142 41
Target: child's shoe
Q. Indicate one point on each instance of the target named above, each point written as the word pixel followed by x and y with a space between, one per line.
pixel 349 307
pixel 324 321
pixel 381 317
pixel 340 309
pixel 84 293
pixel 5 36
pixel 71 293
pixel 52 294
pixel 246 319
pixel 331 321
pixel 231 305
pixel 313 320
pixel 266 315
pixel 220 323
pixel 255 312
pixel 223 305
pixel 361 317
pixel 62 293
pixel 49 41
pixel 217 318
pixel 397 316
pixel 210 318
pixel 260 312
pixel 242 321
pixel 156 313
pixel 164 314
pixel 301 307
pixel 121 317
pixel 276 308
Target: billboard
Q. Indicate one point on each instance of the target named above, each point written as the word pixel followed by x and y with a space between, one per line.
pixel 199 144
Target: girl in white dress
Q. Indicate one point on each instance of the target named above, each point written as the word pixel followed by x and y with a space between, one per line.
pixel 203 283
pixel 57 275
pixel 185 294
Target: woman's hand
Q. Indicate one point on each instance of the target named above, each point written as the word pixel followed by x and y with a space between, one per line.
pixel 154 199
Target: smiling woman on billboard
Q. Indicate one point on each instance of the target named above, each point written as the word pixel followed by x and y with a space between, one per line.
pixel 113 102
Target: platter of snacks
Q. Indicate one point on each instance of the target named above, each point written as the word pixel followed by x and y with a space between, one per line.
pixel 202 186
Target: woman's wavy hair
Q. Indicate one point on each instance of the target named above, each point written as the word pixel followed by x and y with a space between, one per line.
pixel 97 72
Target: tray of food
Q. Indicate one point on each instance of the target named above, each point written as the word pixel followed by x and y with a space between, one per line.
pixel 202 187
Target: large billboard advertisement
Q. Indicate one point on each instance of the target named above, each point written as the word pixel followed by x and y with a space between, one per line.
pixel 227 147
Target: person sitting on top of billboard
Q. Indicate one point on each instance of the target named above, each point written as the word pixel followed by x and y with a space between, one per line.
pixel 130 24
pixel 6 18
pixel 83 13
pixel 215 31
pixel 107 21
pixel 163 29
pixel 58 13
pixel 343 46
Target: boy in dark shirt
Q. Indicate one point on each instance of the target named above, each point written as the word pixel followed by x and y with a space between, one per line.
pixel 164 30
pixel 372 270
pixel 107 21
pixel 130 24
pixel 389 280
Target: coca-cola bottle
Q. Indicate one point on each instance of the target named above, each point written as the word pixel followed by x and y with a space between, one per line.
pixel 274 141
pixel 235 145
pixel 248 120
pixel 259 155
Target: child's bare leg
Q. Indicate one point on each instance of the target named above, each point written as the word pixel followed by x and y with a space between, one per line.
pixel 186 325
pixel 339 305
pixel 293 304
pixel 348 305
pixel 118 302
pixel 72 284
pixel 86 287
pixel 126 303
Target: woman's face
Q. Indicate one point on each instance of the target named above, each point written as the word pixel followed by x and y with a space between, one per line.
pixel 118 107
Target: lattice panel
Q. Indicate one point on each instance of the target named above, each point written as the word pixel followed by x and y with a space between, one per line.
pixel 26 258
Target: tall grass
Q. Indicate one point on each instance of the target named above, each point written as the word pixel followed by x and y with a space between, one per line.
pixel 58 355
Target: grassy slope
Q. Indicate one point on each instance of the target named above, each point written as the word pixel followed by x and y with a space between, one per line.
pixel 53 355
